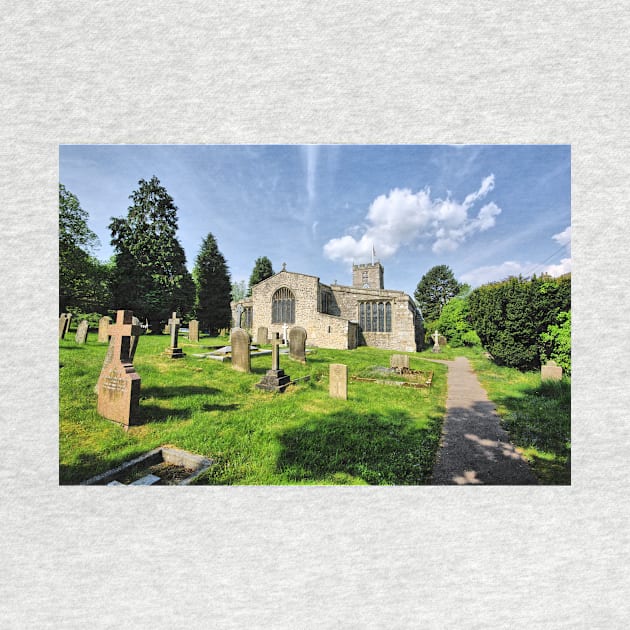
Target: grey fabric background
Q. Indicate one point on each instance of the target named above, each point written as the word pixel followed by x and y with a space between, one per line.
pixel 300 72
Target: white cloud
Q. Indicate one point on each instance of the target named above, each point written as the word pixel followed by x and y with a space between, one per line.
pixel 564 266
pixel 494 273
pixel 403 217
pixel 564 237
pixel 310 152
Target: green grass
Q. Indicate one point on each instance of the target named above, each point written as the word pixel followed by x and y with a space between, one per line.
pixel 536 414
pixel 380 435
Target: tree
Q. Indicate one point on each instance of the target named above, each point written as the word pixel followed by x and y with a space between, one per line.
pixel 83 280
pixel 150 276
pixel 434 290
pixel 214 289
pixel 454 323
pixel 262 270
pixel 510 316
pixel 556 342
pixel 239 290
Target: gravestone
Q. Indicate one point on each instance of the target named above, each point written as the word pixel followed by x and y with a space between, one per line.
pixel 174 352
pixel 103 323
pixel 275 380
pixel 285 338
pixel 551 371
pixel 241 360
pixel 442 340
pixel 239 316
pixel 399 361
pixel 62 325
pixel 338 381
pixel 262 336
pixel 82 332
pixel 67 327
pixel 297 344
pixel 436 341
pixel 134 338
pixel 193 330
pixel 118 386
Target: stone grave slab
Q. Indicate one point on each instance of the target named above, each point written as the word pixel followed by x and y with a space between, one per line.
pixel 240 347
pixel 193 330
pixel 297 344
pixel 551 371
pixel 82 332
pixel 163 466
pixel 103 324
pixel 338 381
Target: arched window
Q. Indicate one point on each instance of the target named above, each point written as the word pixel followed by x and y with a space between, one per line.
pixel 375 316
pixel 283 307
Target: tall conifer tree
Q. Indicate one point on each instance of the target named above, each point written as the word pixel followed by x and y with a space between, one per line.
pixel 262 270
pixel 214 289
pixel 150 276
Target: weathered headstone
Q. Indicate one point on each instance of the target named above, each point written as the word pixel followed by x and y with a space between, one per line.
pixel 68 319
pixel 62 325
pixel 275 380
pixel 338 381
pixel 82 332
pixel 241 360
pixel 262 335
pixel 103 334
pixel 436 341
pixel 442 340
pixel 551 371
pixel 297 344
pixel 118 386
pixel 134 338
pixel 239 316
pixel 399 361
pixel 285 338
pixel 193 330
pixel 174 351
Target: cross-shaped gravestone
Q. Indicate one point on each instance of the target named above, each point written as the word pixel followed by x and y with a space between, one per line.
pixel 275 352
pixel 118 386
pixel 174 352
pixel 239 316
pixel 436 338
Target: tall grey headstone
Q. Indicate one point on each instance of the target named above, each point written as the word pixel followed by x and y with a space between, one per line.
pixel 193 330
pixel 297 344
pixel 399 361
pixel 103 324
pixel 262 335
pixel 68 319
pixel 338 381
pixel 138 330
pixel 82 332
pixel 62 325
pixel 241 360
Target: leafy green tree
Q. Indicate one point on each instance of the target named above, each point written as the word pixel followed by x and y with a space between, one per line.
pixel 262 270
pixel 239 290
pixel 556 341
pixel 150 276
pixel 214 289
pixel 454 324
pixel 434 290
pixel 83 280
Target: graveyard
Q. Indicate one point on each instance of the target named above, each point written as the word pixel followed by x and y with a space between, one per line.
pixel 321 417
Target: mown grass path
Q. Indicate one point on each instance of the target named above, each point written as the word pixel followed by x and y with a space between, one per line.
pixel 474 447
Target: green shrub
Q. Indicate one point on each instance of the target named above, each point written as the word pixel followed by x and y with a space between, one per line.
pixel 556 342
pixel 454 324
pixel 510 316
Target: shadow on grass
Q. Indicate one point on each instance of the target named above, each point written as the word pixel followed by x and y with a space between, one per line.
pixel 152 414
pixel 386 449
pixel 173 391
pixel 90 464
pixel 229 407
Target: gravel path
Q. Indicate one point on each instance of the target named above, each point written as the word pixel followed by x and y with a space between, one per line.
pixel 474 447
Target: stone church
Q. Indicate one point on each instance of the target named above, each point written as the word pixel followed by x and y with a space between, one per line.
pixel 334 316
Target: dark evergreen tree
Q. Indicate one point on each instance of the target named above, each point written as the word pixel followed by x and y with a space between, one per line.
pixel 150 276
pixel 83 280
pixel 214 289
pixel 434 290
pixel 262 270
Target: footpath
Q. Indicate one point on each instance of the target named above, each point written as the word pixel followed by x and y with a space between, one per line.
pixel 474 448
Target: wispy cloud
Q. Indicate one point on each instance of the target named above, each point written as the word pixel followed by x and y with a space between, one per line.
pixel 311 153
pixel 403 218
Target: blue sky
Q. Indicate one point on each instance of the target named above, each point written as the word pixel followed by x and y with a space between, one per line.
pixel 487 211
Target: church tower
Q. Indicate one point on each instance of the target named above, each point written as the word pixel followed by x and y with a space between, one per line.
pixel 368 276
